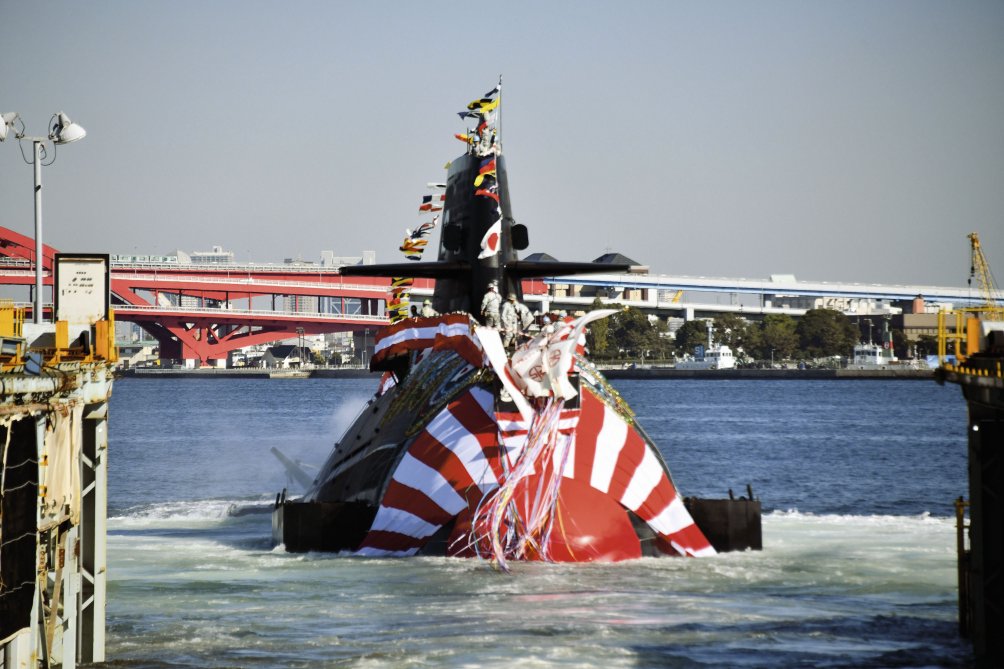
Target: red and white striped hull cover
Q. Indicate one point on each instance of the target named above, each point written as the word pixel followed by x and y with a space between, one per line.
pixel 453 469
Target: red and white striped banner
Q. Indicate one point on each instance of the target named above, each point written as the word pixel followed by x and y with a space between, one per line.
pixel 445 471
pixel 419 334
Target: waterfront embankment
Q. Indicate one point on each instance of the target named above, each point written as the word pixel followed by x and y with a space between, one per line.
pixel 610 373
pixel 256 373
pixel 792 374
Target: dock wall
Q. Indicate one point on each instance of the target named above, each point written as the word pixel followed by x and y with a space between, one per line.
pixel 53 508
pixel 610 373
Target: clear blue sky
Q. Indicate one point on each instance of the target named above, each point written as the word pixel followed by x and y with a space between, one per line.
pixel 842 141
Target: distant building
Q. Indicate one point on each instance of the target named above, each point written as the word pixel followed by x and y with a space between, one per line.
pixel 329 259
pixel 215 257
pixel 621 259
pixel 540 257
pixel 617 292
pixel 285 356
pixel 852 306
pixel 558 291
pixel 144 259
pixel 130 333
pixel 920 319
pixel 301 304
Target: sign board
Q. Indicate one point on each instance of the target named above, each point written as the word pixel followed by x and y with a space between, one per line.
pixel 81 288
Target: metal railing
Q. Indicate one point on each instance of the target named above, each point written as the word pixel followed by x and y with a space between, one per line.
pixel 959 336
pixel 175 278
pixel 227 267
pixel 251 313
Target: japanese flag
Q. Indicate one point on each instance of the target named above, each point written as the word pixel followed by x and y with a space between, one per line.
pixel 491 241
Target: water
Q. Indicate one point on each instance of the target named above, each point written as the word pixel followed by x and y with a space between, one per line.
pixel 857 480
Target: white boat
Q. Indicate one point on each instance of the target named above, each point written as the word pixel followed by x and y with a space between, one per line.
pixel 715 356
pixel 871 356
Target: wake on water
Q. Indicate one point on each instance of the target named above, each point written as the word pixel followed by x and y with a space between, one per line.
pixel 827 590
pixel 208 510
pixel 198 583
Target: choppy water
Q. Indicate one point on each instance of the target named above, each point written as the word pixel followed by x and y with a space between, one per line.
pixel 858 567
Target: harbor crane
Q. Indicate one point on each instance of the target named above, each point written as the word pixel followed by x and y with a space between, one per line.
pixel 980 269
pixel 966 335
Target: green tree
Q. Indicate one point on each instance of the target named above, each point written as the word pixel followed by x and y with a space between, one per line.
pixel 632 332
pixel 597 337
pixel 752 341
pixel 691 334
pixel 728 329
pixel 900 344
pixel 826 332
pixel 777 335
pixel 662 344
pixel 736 332
pixel 927 345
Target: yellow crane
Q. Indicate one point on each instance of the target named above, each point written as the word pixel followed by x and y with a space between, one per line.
pixel 980 269
pixel 965 335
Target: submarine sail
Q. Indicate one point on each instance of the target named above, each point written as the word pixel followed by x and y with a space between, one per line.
pixel 477 447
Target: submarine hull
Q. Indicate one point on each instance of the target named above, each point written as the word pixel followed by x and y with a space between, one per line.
pixel 470 449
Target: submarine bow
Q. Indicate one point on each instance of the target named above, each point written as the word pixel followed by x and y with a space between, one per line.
pixel 472 449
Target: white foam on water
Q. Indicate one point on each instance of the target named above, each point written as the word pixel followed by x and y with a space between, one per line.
pixel 348 409
pixel 825 589
pixel 184 512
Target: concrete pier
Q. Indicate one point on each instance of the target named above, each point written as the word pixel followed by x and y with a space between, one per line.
pixel 55 384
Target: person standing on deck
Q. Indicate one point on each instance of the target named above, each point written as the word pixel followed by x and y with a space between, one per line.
pixel 490 306
pixel 515 318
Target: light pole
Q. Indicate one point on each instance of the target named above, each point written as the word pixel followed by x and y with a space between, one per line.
pixel 62 131
pixel 299 345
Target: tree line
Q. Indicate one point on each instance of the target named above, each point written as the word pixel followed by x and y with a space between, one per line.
pixel 820 333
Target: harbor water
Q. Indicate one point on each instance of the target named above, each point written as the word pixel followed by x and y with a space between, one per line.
pixel 857 481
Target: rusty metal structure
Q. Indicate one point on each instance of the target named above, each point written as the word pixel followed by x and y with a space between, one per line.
pixel 971 349
pixel 55 384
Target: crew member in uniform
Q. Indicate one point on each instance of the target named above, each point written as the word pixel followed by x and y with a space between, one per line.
pixel 490 306
pixel 427 310
pixel 515 318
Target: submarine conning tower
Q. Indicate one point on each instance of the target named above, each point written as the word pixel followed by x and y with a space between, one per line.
pixel 462 275
pixel 467 218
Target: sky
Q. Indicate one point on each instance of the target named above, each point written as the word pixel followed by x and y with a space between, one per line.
pixel 853 141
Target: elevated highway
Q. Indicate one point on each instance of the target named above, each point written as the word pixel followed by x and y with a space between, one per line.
pixel 784 285
pixel 689 297
pixel 202 312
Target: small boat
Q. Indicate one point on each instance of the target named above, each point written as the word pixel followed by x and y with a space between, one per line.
pixel 715 356
pixel 871 356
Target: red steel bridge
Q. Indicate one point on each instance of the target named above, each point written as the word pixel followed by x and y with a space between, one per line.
pixel 202 312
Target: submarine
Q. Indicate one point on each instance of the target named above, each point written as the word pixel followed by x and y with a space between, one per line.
pixel 470 448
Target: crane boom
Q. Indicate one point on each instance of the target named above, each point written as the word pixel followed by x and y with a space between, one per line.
pixel 980 268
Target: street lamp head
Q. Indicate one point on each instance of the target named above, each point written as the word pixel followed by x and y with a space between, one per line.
pixel 7 121
pixel 65 131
